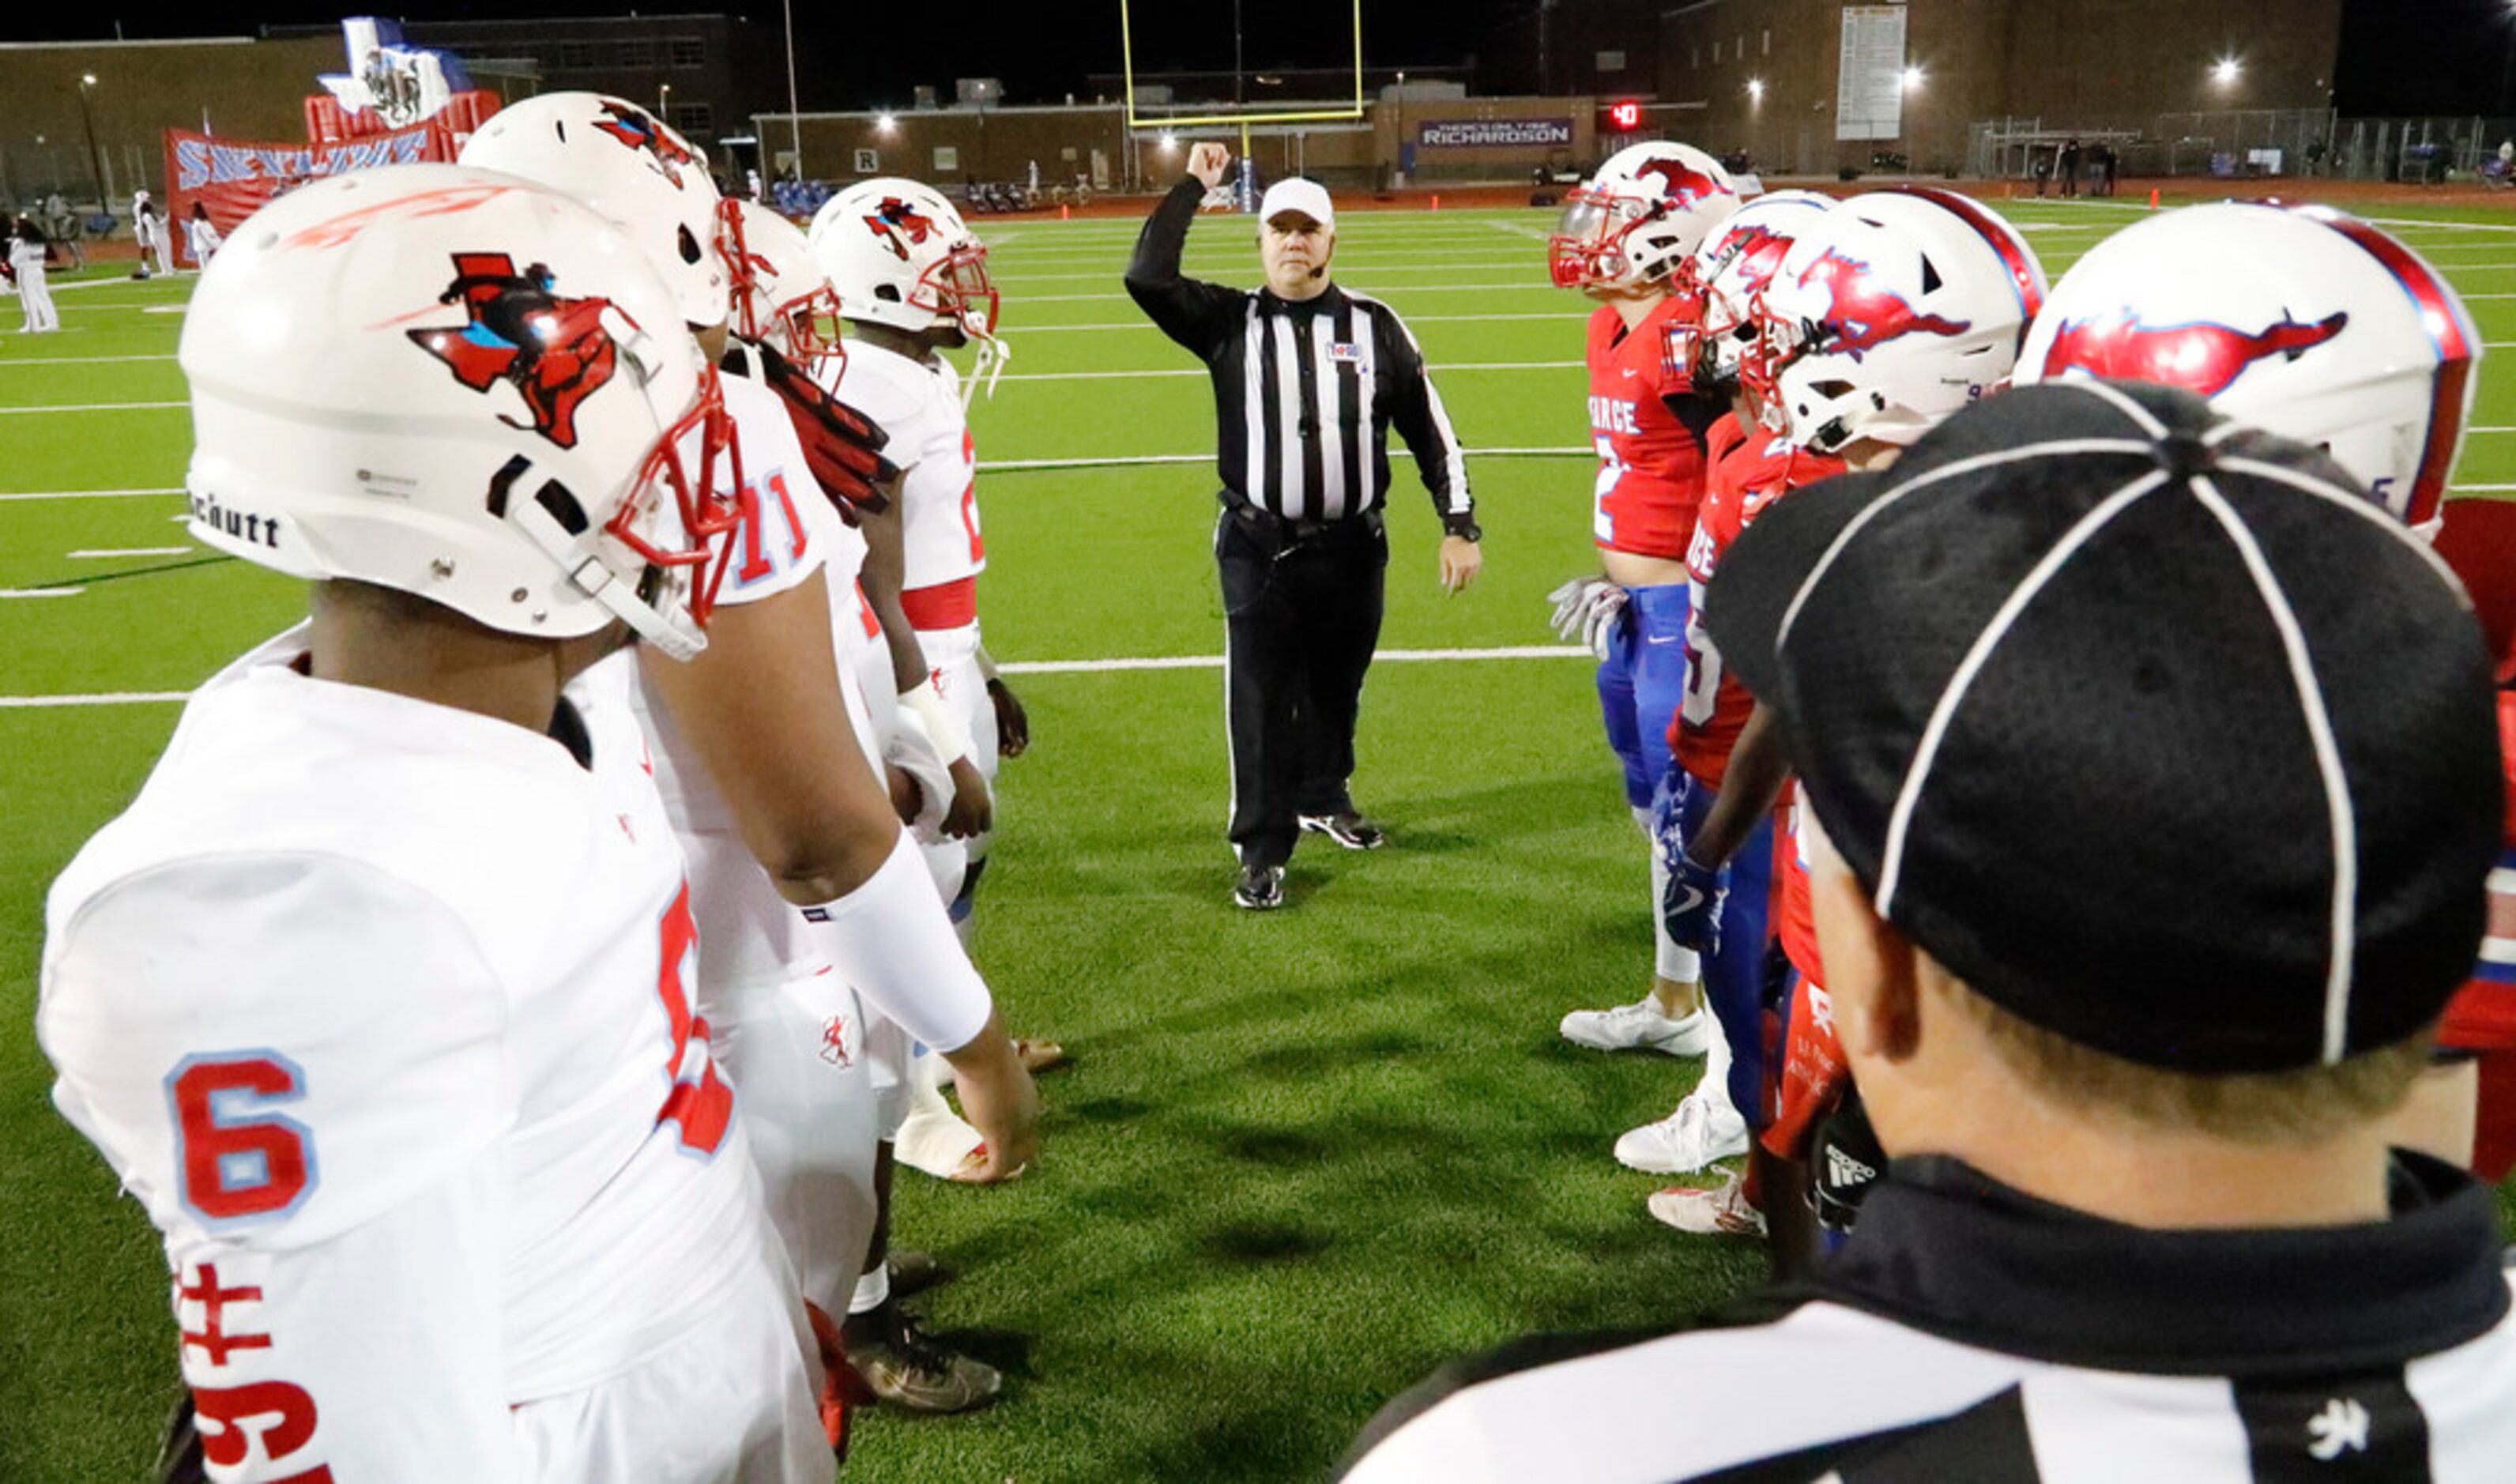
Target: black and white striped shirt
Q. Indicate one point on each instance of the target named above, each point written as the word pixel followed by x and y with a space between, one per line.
pixel 1969 1333
pixel 1303 394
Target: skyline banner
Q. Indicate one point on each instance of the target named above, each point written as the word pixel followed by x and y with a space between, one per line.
pixel 232 177
pixel 1869 82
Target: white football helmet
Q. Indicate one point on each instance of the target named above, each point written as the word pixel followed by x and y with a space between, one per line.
pixel 464 386
pixel 898 254
pixel 2297 319
pixel 1891 309
pixel 1736 261
pixel 1634 222
pixel 633 169
pixel 781 299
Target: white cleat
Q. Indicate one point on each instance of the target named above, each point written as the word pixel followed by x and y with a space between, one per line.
pixel 1703 1128
pixel 1720 1211
pixel 1640 1026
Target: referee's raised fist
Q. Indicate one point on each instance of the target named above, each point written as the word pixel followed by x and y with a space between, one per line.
pixel 1207 161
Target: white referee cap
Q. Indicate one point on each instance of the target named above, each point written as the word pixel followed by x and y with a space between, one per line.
pixel 1295 193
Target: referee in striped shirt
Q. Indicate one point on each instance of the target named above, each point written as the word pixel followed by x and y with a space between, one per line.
pixel 1308 380
pixel 2149 780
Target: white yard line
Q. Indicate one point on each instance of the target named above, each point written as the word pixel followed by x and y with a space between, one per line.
pixel 98 407
pixel 1011 668
pixel 1377 293
pixel 1011 282
pixel 1113 460
pixel 39 592
pixel 1438 370
pixel 10 360
pixel 88 494
pixel 135 551
pixel 1573 317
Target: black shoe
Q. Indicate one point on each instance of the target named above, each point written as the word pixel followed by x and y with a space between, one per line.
pixel 1349 829
pixel 907 1368
pixel 1261 887
pixel 913 1272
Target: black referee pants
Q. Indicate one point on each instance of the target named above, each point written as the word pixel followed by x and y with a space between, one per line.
pixel 1302 607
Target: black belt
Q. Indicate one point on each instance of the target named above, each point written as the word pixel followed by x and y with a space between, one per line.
pixel 1283 531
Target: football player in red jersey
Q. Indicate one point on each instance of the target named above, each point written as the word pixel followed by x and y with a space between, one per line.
pixel 1889 312
pixel 1734 262
pixel 2324 328
pixel 1626 240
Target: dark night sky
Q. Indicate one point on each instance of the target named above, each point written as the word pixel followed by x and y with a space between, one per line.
pixel 2398 55
pixel 869 51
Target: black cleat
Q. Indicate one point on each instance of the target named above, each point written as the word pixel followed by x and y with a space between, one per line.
pixel 1261 888
pixel 1349 829
pixel 905 1368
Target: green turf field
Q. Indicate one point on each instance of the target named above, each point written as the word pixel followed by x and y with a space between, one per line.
pixel 1301 1157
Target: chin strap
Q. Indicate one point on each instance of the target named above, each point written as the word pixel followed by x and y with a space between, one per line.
pixel 668 629
pixel 991 364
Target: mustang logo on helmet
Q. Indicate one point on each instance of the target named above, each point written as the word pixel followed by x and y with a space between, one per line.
pixel 1682 181
pixel 898 223
pixel 638 129
pixel 1867 315
pixel 2200 356
pixel 555 351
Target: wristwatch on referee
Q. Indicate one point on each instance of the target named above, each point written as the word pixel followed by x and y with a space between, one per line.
pixel 1464 526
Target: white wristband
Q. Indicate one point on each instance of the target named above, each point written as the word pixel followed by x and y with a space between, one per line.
pixel 951 738
pixel 890 939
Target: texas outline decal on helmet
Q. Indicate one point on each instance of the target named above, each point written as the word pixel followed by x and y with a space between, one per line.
pixel 895 224
pixel 638 129
pixel 1871 315
pixel 2203 357
pixel 555 351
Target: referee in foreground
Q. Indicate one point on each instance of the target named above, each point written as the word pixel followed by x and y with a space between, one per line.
pixel 1308 380
pixel 2154 781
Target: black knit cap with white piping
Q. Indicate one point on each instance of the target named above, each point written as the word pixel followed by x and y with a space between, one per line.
pixel 2152 729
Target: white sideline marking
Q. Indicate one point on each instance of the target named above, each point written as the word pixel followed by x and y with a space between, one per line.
pixel 1011 668
pixel 99 406
pixel 138 551
pixel 88 494
pixel 39 592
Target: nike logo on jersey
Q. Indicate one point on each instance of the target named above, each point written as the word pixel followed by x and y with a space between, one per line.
pixel 1692 899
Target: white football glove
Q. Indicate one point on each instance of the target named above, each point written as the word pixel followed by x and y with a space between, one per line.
pixel 1586 609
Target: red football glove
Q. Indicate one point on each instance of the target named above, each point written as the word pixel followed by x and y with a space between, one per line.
pixel 843 449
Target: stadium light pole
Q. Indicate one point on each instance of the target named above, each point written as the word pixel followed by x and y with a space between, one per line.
pixel 95 156
pixel 794 120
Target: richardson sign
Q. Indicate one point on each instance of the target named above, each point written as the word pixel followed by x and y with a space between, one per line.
pixel 1494 133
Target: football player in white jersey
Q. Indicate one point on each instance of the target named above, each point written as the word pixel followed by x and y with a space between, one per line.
pixel 378 996
pixel 912 282
pixel 911 279
pixel 803 879
pixel 784 318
